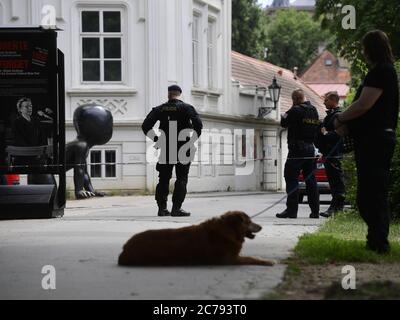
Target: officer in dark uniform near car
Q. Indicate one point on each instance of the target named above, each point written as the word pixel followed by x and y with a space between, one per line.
pixel 174 115
pixel 330 144
pixel 302 121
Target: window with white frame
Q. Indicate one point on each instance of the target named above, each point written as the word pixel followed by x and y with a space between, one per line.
pixel 101 46
pixel 196 48
pixel 103 163
pixel 210 52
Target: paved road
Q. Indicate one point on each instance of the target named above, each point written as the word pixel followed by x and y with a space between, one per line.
pixel 83 246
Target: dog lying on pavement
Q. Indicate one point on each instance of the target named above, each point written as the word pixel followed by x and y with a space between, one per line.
pixel 217 241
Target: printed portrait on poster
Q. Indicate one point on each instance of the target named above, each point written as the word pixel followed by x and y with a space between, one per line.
pixel 28 101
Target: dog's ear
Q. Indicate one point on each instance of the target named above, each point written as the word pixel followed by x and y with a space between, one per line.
pixel 235 217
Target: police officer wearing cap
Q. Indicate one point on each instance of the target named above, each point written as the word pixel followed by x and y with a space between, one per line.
pixel 174 115
pixel 302 121
pixel 330 144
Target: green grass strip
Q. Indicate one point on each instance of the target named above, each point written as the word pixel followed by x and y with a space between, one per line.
pixel 342 239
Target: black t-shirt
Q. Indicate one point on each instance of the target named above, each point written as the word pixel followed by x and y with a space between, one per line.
pixel 384 113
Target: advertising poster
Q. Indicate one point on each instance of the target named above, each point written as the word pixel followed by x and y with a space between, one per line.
pixel 28 101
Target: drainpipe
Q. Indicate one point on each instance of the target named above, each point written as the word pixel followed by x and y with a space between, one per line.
pixel 281 131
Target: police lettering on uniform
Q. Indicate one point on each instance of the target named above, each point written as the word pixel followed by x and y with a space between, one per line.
pixel 330 144
pixel 180 126
pixel 302 121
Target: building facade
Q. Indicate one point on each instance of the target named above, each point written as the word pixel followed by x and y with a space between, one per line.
pixel 123 54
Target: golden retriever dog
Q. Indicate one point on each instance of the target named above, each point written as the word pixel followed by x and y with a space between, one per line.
pixel 217 241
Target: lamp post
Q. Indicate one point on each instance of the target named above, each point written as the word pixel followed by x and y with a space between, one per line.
pixel 274 92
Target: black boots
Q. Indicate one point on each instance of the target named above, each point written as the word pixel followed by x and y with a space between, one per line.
pixel 286 215
pixel 377 243
pixel 328 213
pixel 379 249
pixel 337 205
pixel 314 215
pixel 163 212
pixel 179 212
pixel 176 211
pixel 162 209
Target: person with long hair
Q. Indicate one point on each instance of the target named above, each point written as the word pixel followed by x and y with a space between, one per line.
pixel 372 120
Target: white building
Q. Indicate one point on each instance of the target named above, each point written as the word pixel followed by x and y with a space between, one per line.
pixel 123 54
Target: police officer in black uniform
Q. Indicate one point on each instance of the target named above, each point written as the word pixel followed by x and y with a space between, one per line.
pixel 302 122
pixel 174 115
pixel 330 144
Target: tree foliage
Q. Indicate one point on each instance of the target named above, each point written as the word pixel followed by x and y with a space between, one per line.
pixel 395 173
pixel 248 28
pixel 293 38
pixel 349 165
pixel 395 180
pixel 370 15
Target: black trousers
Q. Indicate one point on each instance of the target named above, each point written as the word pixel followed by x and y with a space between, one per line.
pixel 162 190
pixel 373 157
pixel 3 179
pixel 292 172
pixel 334 172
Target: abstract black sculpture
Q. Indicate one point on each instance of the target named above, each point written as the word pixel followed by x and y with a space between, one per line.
pixel 94 125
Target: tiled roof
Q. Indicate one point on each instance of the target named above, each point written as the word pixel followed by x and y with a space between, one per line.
pixel 250 71
pixel 322 88
pixel 319 73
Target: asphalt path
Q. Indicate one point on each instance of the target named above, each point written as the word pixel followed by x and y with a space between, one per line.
pixel 84 245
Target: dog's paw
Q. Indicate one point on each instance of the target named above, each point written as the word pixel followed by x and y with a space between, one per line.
pixel 270 263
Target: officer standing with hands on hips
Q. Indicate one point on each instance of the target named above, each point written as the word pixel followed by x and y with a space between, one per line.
pixel 302 121
pixel 330 144
pixel 176 118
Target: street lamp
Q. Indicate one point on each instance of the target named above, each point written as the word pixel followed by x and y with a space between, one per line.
pixel 274 92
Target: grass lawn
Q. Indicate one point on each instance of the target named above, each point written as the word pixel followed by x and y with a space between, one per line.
pixel 342 239
pixel 315 269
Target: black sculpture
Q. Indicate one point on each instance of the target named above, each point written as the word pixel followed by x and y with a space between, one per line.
pixel 94 125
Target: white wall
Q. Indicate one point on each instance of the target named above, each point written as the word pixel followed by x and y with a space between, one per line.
pixel 157 52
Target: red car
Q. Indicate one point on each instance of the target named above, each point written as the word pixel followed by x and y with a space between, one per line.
pixel 322 181
pixel 12 179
